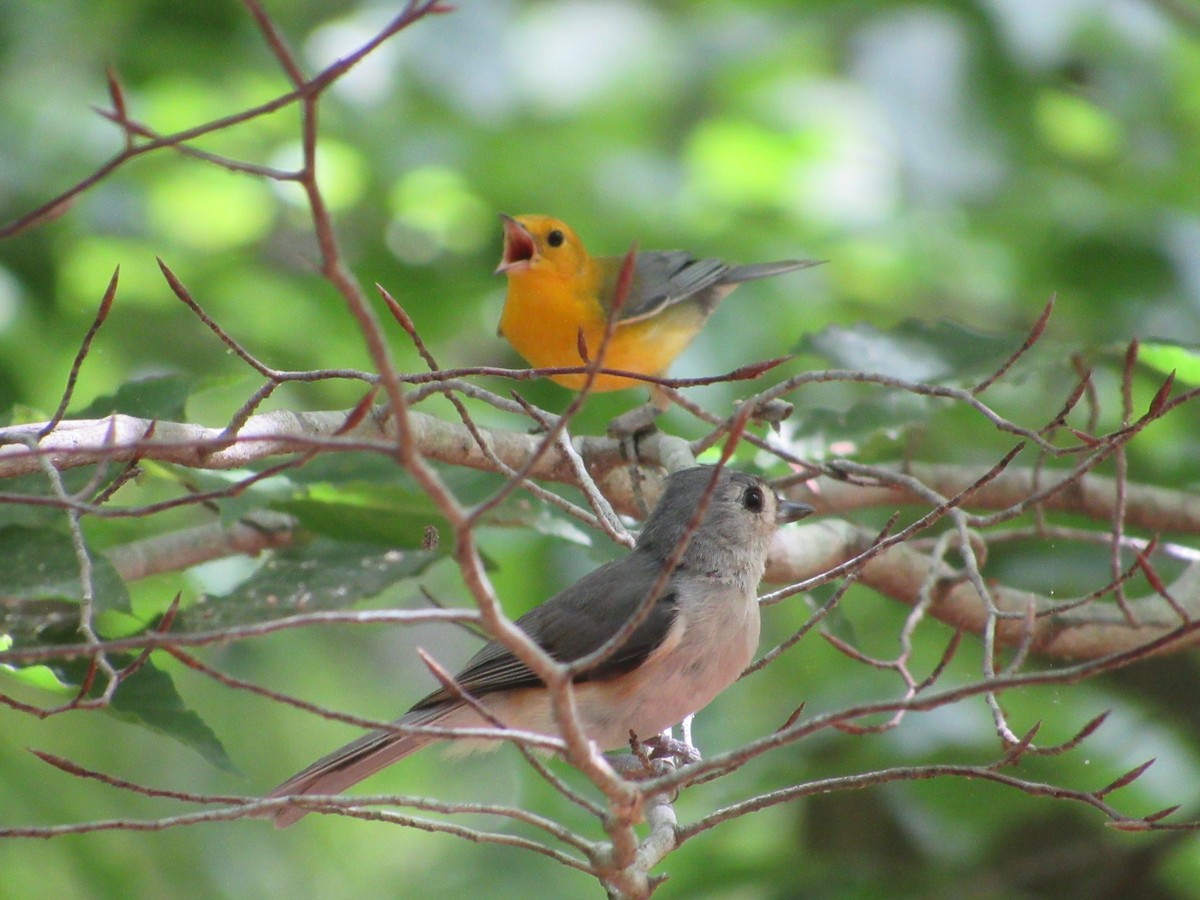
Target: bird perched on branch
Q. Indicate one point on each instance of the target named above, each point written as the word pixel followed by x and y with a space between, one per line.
pixel 698 631
pixel 561 297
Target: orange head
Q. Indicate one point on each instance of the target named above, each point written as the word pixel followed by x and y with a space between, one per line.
pixel 543 246
pixel 558 293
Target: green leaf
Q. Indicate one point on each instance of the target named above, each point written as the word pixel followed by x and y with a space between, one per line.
pixel 148 697
pixel 322 574
pixel 113 624
pixel 1078 127
pixel 339 468
pixel 36 486
pixel 520 511
pixel 40 564
pixel 160 397
pixel 549 521
pixel 38 676
pixel 366 511
pixel 43 678
pixel 872 428
pixel 25 620
pixel 398 514
pixel 1164 357
pixel 913 350
pixel 261 494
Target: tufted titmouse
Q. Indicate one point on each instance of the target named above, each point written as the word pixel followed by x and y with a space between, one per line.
pixel 700 633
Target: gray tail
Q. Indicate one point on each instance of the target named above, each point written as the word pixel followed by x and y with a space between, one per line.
pixel 333 773
pixel 739 274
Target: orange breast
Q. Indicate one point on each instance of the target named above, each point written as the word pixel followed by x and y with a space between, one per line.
pixel 543 314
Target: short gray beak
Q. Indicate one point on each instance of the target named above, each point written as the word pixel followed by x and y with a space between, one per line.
pixel 791 511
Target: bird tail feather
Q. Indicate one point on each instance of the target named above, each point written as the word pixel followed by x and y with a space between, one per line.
pixel 766 270
pixel 347 766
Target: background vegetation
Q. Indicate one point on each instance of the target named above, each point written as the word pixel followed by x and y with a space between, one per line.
pixel 955 162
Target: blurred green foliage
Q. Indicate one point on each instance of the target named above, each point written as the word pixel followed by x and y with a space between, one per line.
pixel 959 161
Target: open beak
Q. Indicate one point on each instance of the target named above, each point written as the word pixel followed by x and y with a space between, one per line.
pixel 518 245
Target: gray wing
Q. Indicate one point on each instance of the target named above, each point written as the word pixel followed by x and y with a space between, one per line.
pixel 574 623
pixel 663 277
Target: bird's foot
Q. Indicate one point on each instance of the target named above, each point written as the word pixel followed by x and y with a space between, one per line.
pixel 636 423
pixel 659 755
pixel 772 412
pixel 665 747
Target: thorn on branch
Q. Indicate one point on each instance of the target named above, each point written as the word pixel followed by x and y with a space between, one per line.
pixel 754 370
pixel 1093 401
pixel 106 303
pixel 405 321
pixel 398 312
pixel 947 655
pixel 1131 363
pixel 455 690
pixel 120 112
pixel 1072 743
pixel 162 627
pixel 853 653
pixel 1161 814
pixel 624 283
pixel 1131 355
pixel 1161 396
pixel 185 296
pixel 1035 334
pixel 793 718
pixel 1142 562
pixel 1087 730
pixel 1128 778
pixel 1088 441
pixel 359 413
pixel 1077 394
pixel 1021 747
pixel 89 679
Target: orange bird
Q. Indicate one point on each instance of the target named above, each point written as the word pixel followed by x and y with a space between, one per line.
pixel 556 290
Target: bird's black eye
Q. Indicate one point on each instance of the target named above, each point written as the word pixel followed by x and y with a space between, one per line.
pixel 753 499
pixel 555 238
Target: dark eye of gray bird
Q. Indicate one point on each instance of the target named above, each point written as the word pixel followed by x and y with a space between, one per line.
pixel 753 500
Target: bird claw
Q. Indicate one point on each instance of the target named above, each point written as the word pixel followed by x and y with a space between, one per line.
pixel 653 758
pixel 681 753
pixel 771 412
pixel 636 423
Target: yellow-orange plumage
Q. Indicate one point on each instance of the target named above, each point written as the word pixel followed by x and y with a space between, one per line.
pixel 556 289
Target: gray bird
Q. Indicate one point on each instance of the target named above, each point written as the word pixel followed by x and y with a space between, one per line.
pixel 700 633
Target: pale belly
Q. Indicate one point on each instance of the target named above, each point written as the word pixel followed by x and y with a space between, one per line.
pixel 709 657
